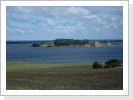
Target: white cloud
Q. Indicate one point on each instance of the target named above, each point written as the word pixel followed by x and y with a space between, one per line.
pixel 56 12
pixel 14 16
pixel 93 18
pixel 115 26
pixel 113 10
pixel 76 11
pixel 96 20
pixel 90 17
pixel 97 29
pixel 24 9
pixel 113 19
pixel 50 22
pixel 20 30
pixel 64 20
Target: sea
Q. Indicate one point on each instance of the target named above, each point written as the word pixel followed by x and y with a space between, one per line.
pixel 25 53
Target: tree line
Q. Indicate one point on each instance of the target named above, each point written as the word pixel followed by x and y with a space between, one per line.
pixel 70 42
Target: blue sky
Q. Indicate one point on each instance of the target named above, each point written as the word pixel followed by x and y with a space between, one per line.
pixel 70 22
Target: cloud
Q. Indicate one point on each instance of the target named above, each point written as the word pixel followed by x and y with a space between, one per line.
pixel 65 24
pixel 54 11
pixel 17 17
pixel 115 26
pixel 24 9
pixel 76 11
pixel 49 22
pixel 63 21
pixel 113 19
pixel 108 10
pixel 96 29
pixel 96 19
pixel 20 30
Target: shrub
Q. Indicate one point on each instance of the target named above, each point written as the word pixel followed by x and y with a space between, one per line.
pixel 96 65
pixel 116 65
pixel 113 63
pixel 35 45
pixel 107 66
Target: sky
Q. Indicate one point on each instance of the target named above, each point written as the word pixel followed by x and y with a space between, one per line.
pixel 69 22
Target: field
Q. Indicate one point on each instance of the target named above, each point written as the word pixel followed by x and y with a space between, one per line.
pixel 61 76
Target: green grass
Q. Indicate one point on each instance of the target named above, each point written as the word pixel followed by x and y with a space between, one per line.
pixel 61 76
pixel 14 66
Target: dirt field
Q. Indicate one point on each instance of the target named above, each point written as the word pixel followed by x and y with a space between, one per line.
pixel 63 79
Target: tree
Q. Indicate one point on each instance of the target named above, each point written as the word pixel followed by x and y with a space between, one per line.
pixel 107 66
pixel 70 42
pixel 113 63
pixel 35 45
pixel 96 65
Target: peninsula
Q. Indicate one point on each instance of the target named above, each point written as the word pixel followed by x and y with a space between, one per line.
pixel 73 43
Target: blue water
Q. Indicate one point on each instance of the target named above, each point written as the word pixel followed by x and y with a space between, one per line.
pixel 23 53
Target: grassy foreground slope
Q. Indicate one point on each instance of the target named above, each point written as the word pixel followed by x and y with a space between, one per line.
pixel 15 66
pixel 61 76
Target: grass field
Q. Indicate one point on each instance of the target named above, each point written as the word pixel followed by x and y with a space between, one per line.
pixel 61 76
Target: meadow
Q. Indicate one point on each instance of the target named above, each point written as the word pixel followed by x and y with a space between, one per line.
pixel 61 76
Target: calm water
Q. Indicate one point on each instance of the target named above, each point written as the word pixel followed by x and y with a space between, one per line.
pixel 22 53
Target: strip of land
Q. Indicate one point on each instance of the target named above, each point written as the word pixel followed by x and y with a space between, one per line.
pixel 61 76
pixel 70 43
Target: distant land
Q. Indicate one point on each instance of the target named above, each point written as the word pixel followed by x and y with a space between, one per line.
pixel 65 38
pixel 69 43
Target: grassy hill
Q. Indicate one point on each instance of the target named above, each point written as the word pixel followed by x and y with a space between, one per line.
pixel 70 43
